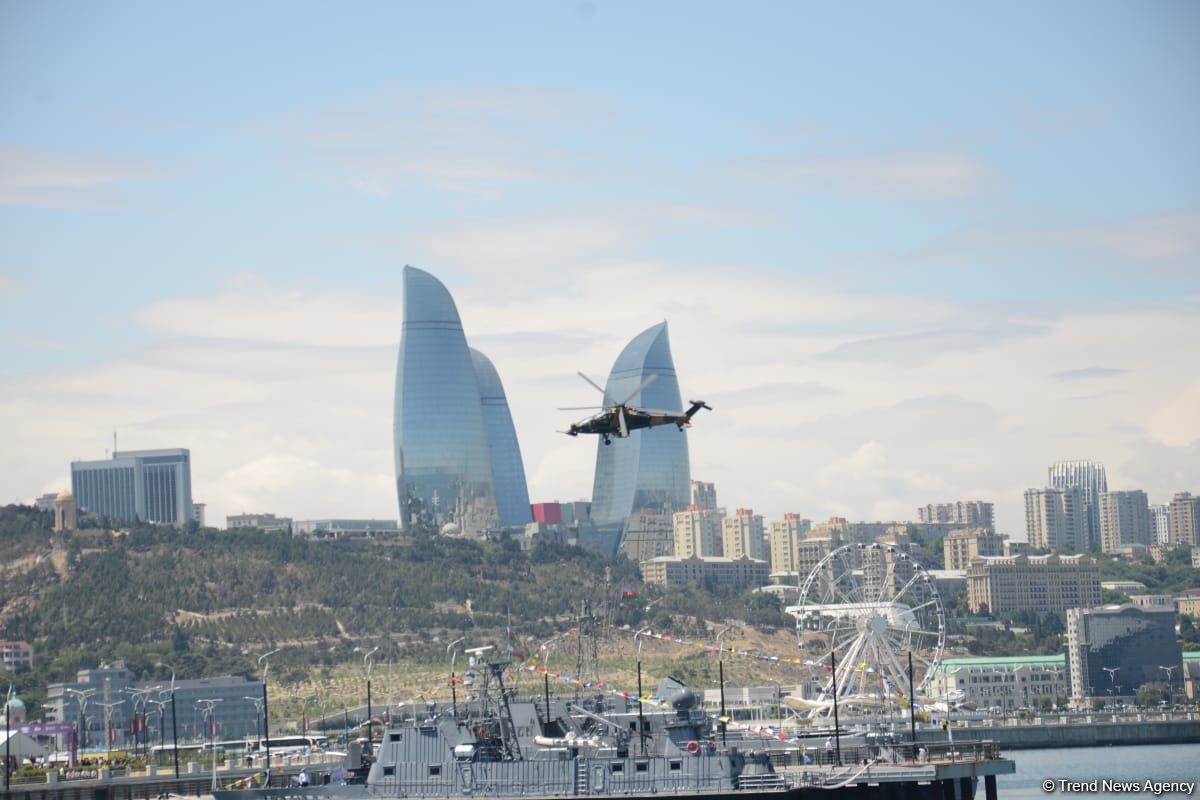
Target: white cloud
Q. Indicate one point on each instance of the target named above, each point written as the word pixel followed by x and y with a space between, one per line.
pixel 64 180
pixel 900 175
pixel 285 396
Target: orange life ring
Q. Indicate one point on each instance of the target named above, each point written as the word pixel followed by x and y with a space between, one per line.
pixel 693 747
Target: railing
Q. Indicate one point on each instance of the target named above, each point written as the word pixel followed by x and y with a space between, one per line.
pixel 933 752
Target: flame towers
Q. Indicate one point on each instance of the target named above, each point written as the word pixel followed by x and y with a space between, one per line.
pixel 649 470
pixel 453 432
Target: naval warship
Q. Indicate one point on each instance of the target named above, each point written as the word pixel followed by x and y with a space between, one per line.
pixel 512 748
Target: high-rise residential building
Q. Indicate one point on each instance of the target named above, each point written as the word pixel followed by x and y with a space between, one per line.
pixel 742 535
pixel 704 494
pixel 1160 524
pixel 1087 476
pixel 198 510
pixel 1114 650
pixel 1184 522
pixel 452 426
pixel 887 567
pixel 783 538
pixel 676 571
pixel 147 485
pixel 960 548
pixel 968 513
pixel 648 534
pixel 1124 519
pixel 649 468
pixel 810 551
pixel 697 533
pixel 1052 583
pixel 1055 519
pixel 508 470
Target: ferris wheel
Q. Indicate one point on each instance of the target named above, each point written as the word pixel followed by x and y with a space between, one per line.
pixel 866 607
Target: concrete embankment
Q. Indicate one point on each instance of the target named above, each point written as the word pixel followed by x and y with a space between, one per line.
pixel 1050 732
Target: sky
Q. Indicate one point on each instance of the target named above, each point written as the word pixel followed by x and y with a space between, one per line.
pixel 909 253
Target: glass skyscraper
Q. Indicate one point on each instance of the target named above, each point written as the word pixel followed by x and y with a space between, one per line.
pixel 649 470
pixel 445 426
pixel 150 485
pixel 512 493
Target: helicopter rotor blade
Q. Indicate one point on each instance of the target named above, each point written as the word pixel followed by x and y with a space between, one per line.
pixel 653 377
pixel 621 421
pixel 595 385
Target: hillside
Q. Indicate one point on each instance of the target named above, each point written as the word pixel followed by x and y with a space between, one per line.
pixel 206 602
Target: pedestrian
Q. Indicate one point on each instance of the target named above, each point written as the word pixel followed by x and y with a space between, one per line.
pixel 829 749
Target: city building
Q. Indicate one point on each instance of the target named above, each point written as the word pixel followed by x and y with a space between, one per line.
pixel 16 656
pixel 81 703
pixel 147 485
pixel 1113 650
pixel 1189 606
pixel 1184 524
pixel 198 513
pixel 446 445
pixel 1053 583
pixel 344 528
pixel 1152 602
pixel 959 548
pixel 676 571
pixel 704 495
pixel 267 523
pixel 1056 518
pixel 887 567
pixel 697 532
pixel 742 535
pixel 1002 684
pixel 1124 519
pixel 1160 524
pixel 783 538
pixel 1017 548
pixel 968 513
pixel 547 512
pixel 649 533
pixel 1123 587
pixel 508 470
pixel 650 467
pixel 1089 478
pixel 45 502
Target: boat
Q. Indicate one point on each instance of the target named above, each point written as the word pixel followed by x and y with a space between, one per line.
pixel 509 748
pixel 637 748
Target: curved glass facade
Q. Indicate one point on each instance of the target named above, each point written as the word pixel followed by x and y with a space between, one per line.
pixel 649 469
pixel 443 461
pixel 512 493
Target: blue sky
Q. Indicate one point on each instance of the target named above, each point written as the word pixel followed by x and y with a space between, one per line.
pixel 205 208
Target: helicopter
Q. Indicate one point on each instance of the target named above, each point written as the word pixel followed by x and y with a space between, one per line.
pixel 621 418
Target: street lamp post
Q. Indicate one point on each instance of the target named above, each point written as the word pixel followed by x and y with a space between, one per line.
pixel 370 725
pixel 108 731
pixel 1170 670
pixel 1112 677
pixel 721 674
pixel 258 707
pixel 452 651
pixel 81 721
pixel 641 719
pixel 210 721
pixel 266 711
pixel 160 703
